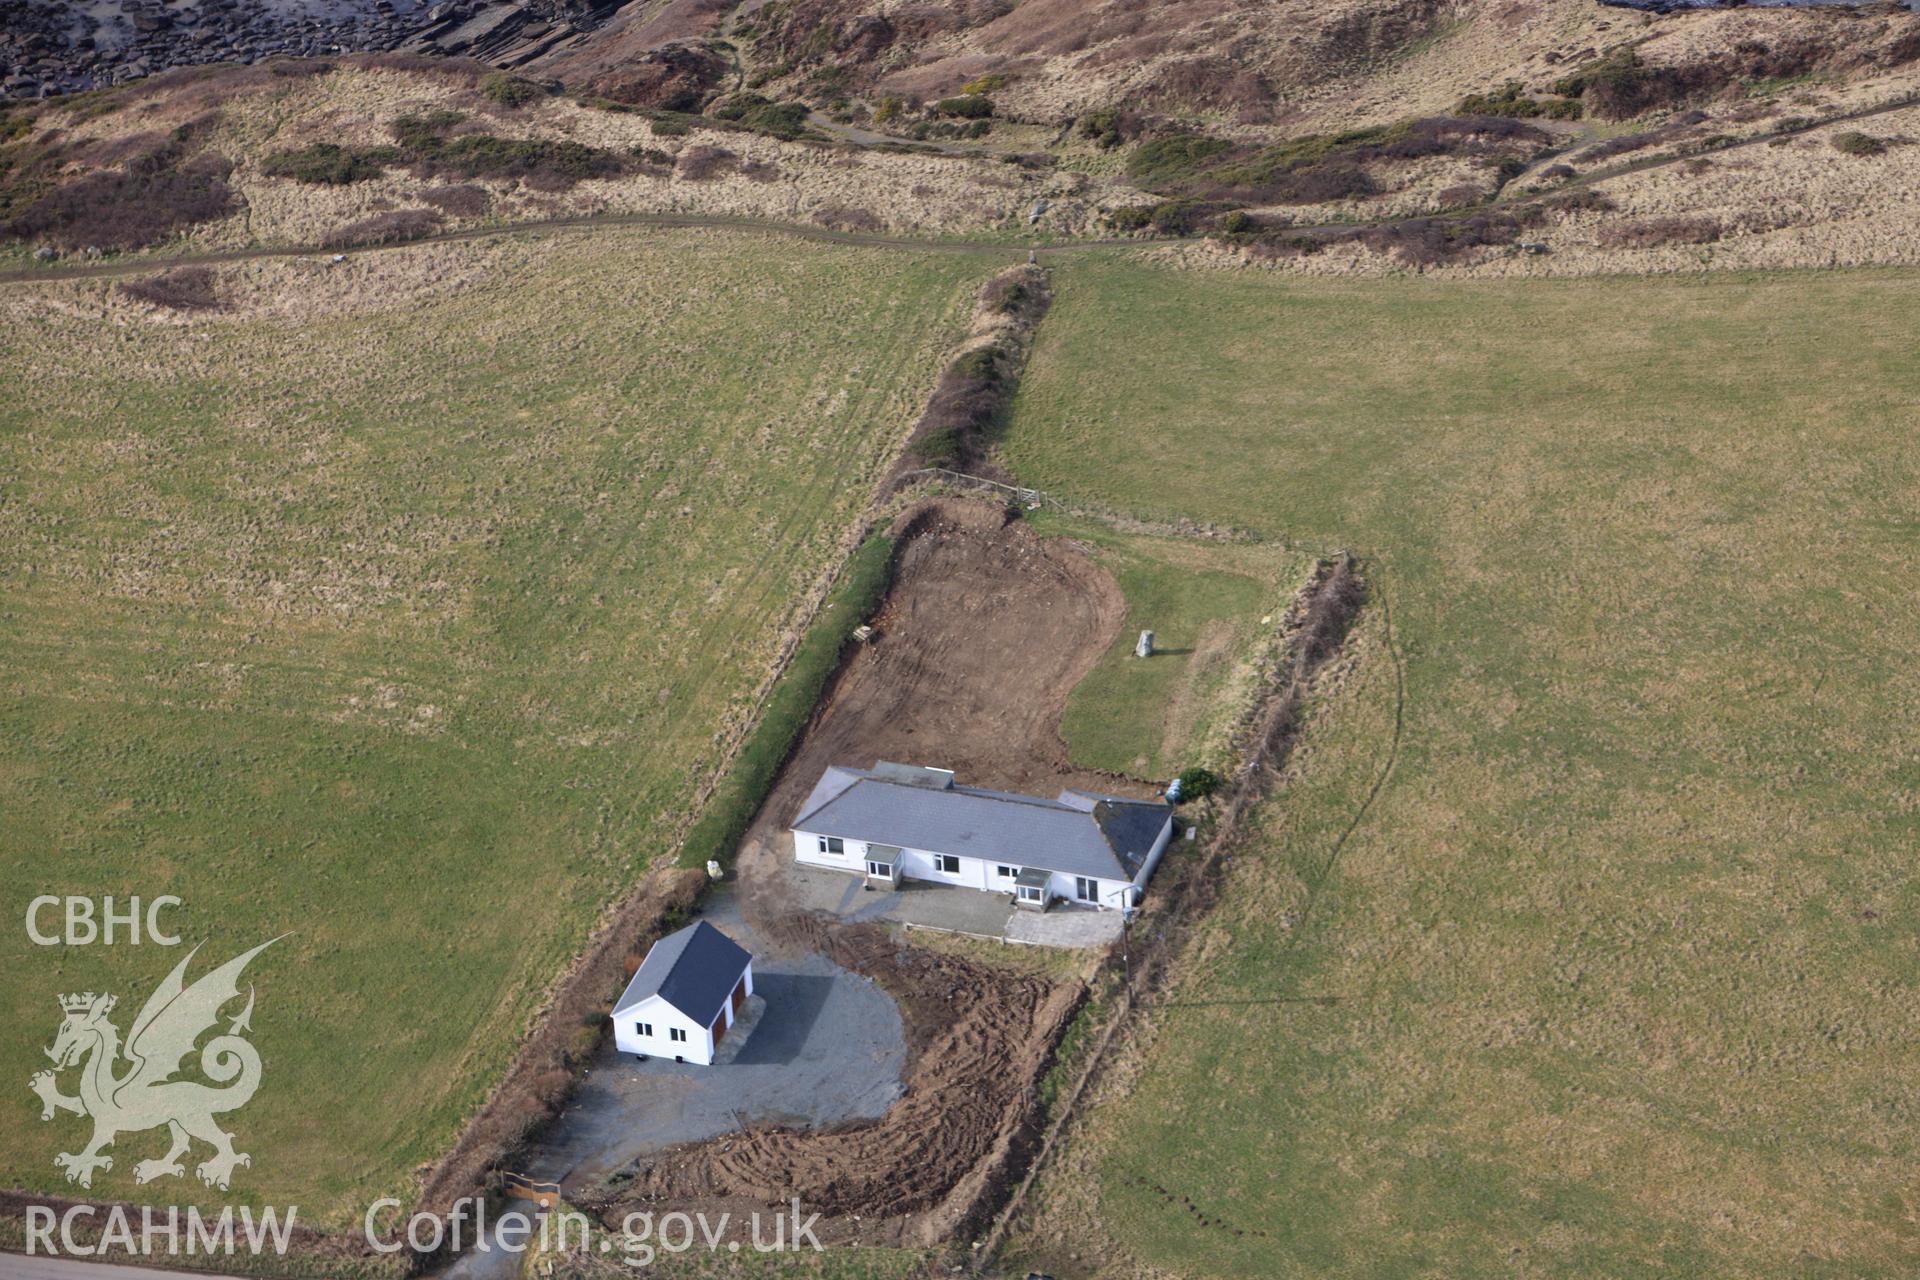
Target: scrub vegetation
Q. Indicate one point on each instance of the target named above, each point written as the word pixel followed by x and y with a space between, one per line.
pixel 1579 939
pixel 415 627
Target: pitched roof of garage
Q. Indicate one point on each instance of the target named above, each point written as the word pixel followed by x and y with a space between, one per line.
pixel 694 970
pixel 1079 834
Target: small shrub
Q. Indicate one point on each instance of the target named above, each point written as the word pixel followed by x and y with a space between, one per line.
pixel 1651 233
pixel 182 289
pixel 385 228
pixel 889 109
pixel 1162 162
pixel 1006 294
pixel 1198 783
pixel 423 132
pixel 965 408
pixel 327 164
pixel 1584 200
pixel 579 1052
pixel 1514 103
pixel 939 448
pixel 1237 223
pixel 1108 128
pixel 14 122
pixel 787 120
pixel 1855 143
pixel 463 200
pixel 829 83
pixel 846 217
pixel 1511 101
pixel 1424 242
pixel 541 164
pixel 969 106
pixel 983 84
pixel 513 92
pixel 698 164
pixel 299 68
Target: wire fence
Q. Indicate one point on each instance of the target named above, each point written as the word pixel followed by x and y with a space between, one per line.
pixel 1030 498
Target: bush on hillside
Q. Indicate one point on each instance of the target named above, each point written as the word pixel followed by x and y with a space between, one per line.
pixel 513 92
pixel 1855 143
pixel 329 164
pixel 182 289
pixel 150 197
pixel 968 106
pixel 1198 783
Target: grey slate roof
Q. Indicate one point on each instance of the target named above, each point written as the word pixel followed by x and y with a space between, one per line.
pixel 1078 834
pixel 694 970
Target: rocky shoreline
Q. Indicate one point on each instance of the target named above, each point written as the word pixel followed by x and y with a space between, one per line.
pixel 50 47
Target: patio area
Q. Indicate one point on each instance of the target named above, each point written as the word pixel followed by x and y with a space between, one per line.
pixel 921 904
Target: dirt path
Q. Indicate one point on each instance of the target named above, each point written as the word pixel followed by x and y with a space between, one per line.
pixel 585 222
pixel 1662 160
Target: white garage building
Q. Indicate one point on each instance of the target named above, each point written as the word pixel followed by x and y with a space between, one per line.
pixel 684 996
pixel 895 822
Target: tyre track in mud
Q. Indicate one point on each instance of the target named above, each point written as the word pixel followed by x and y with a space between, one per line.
pixel 977 1038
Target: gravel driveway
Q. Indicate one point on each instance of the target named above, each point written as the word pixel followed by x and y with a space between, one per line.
pixel 817 1046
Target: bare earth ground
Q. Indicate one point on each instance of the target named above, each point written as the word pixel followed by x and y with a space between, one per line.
pixel 977 1039
pixel 987 629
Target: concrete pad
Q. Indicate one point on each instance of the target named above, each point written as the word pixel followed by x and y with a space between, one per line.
pixel 937 906
pixel 1065 927
pixel 934 906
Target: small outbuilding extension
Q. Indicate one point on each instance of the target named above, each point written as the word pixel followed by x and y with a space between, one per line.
pixel 684 996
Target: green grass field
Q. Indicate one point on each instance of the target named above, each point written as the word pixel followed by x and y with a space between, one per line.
pixel 1204 602
pixel 1616 975
pixel 409 632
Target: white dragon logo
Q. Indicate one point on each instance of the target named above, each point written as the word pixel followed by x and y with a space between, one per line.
pixel 146 1096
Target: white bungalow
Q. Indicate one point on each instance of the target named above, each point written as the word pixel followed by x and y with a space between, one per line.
pixel 684 996
pixel 895 822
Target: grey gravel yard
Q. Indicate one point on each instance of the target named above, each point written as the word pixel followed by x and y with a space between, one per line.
pixel 817 1045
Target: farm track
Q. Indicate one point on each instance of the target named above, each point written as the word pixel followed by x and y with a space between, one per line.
pixel 916 244
pixel 586 222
